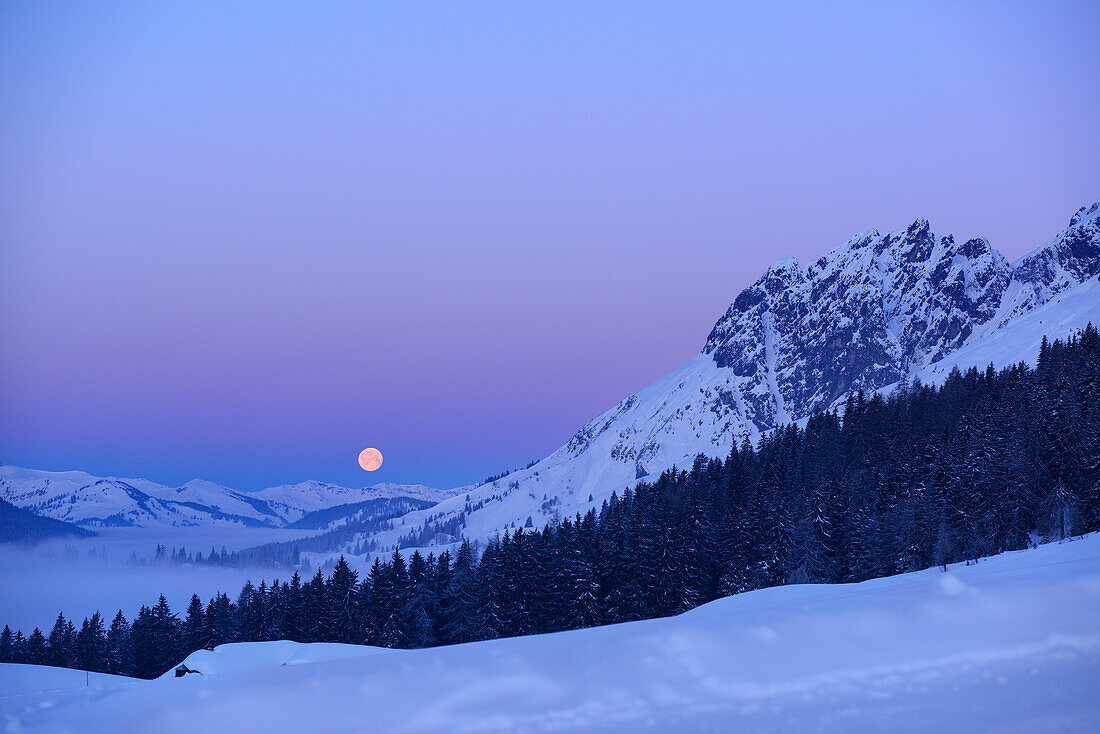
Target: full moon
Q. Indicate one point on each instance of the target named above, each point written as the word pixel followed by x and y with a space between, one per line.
pixel 370 459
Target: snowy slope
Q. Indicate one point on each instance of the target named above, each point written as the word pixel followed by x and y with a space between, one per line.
pixel 22 680
pixel 1019 341
pixel 1009 644
pixel 245 657
pixel 293 501
pixel 83 499
pixel 879 308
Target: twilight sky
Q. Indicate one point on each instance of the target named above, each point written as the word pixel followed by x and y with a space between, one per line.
pixel 244 243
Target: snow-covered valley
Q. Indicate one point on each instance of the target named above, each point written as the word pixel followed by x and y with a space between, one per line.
pixel 1011 643
pixel 90 574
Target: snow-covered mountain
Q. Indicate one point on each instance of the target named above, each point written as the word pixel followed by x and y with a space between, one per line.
pixel 876 310
pixel 294 501
pixel 90 501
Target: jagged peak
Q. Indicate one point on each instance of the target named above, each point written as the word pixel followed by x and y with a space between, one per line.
pixel 919 226
pixel 1084 213
pixel 917 236
pixel 977 247
pixel 861 239
pixel 900 259
pixel 1077 247
pixel 783 265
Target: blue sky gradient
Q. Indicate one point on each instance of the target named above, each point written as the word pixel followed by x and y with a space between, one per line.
pixel 242 243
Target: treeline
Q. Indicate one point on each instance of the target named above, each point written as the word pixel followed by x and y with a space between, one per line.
pixel 271 555
pixel 360 520
pixel 991 461
pixel 434 529
pixel 497 477
pixel 378 510
pixel 23 526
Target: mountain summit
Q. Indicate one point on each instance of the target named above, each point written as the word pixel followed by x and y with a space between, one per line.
pixel 878 308
pixel 865 315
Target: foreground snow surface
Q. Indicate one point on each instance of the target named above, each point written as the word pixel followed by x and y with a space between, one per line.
pixel 1009 644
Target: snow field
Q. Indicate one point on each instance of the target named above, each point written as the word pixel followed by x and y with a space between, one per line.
pixel 1011 643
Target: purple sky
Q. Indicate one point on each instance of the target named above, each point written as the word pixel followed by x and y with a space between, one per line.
pixel 243 245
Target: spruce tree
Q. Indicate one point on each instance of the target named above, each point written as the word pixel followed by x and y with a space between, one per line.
pixel 7 645
pixel 36 648
pixel 341 613
pixel 19 648
pixel 60 643
pixel 194 626
pixel 119 653
pixel 91 645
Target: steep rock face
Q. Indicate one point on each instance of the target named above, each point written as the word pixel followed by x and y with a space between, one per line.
pixel 1068 259
pixel 881 307
pixel 860 317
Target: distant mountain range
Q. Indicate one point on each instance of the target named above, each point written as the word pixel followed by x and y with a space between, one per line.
pixel 88 501
pixel 879 309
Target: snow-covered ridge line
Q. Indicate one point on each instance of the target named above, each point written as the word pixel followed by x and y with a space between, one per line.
pixel 83 499
pixel 878 309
